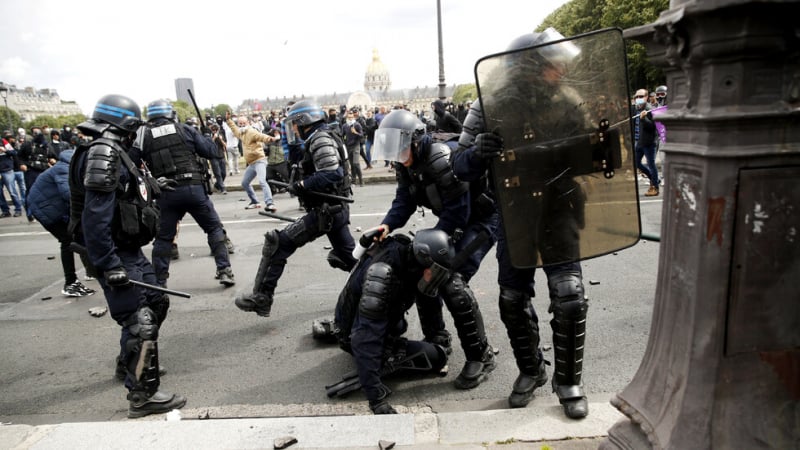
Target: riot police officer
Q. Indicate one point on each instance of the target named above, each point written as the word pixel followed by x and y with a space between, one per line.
pixel 565 281
pixel 323 168
pixel 112 212
pixel 172 151
pixel 425 179
pixel 370 312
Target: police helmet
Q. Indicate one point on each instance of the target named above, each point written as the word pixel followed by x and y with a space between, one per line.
pixel 661 90
pixel 432 246
pixel 393 138
pixel 558 53
pixel 160 108
pixel 118 111
pixel 305 113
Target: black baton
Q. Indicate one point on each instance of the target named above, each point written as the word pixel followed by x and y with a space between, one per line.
pixel 318 194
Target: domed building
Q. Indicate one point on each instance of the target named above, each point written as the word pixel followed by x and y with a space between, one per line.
pixel 377 76
pixel 377 92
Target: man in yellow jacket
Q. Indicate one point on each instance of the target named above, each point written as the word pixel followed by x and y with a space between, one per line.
pixel 253 147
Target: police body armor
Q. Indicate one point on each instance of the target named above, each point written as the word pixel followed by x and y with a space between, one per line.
pixel 170 156
pixel 432 182
pixel 136 216
pixel 556 183
pixel 311 162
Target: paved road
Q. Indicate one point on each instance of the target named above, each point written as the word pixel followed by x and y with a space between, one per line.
pixel 57 361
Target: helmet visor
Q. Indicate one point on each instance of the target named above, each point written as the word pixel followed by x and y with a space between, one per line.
pixel 392 144
pixel 292 136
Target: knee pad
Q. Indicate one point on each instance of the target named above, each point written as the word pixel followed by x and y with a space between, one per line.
pixel 160 307
pixel 377 291
pixel 512 301
pixel 145 325
pixel 298 233
pixel 457 294
pixel 567 298
pixel 271 241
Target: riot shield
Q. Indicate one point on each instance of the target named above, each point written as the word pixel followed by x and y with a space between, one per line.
pixel 565 184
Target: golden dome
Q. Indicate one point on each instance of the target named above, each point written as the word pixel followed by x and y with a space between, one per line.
pixel 377 75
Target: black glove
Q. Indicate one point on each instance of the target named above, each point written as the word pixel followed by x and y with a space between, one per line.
pixel 116 277
pixel 296 188
pixel 488 145
pixel 205 131
pixel 381 407
pixel 166 184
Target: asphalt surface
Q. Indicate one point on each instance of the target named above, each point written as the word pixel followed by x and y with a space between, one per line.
pixel 57 361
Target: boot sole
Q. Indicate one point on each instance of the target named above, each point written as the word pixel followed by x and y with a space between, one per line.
pixel 165 408
pixel 249 308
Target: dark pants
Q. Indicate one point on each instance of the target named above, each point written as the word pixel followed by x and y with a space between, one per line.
pixel 59 231
pixel 355 164
pixel 301 233
pixel 218 169
pixel 123 302
pixel 174 205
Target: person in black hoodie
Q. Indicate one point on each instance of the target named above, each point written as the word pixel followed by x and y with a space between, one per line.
pixel 444 120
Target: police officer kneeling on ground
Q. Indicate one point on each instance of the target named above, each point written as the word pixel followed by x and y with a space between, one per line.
pixel 111 207
pixel 323 168
pixel 172 151
pixel 370 312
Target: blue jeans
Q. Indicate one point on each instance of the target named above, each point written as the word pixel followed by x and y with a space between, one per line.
pixel 7 178
pixel 649 153
pixel 257 169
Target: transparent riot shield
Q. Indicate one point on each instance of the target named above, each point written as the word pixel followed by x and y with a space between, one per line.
pixel 565 184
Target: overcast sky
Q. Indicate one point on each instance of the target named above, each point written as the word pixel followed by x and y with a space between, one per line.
pixel 248 49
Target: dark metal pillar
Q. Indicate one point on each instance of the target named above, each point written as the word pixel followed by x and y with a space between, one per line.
pixel 722 366
pixel 442 84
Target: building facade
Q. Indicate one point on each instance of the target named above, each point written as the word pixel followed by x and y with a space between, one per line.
pixel 30 103
pixel 377 91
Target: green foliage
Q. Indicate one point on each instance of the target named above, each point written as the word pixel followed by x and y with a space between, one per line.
pixel 16 120
pixel 55 122
pixel 581 16
pixel 221 109
pixel 184 110
pixel 465 93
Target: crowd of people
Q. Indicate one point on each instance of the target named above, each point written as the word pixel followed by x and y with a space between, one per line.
pixel 120 182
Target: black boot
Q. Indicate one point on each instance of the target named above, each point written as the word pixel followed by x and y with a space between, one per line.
pixel 474 372
pixel 257 302
pixel 522 392
pixel 159 402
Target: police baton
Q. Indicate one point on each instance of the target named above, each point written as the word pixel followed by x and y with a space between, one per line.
pixel 315 193
pixel 277 216
pixel 81 250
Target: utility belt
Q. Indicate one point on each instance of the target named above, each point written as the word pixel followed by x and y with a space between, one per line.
pixel 185 179
pixel 39 163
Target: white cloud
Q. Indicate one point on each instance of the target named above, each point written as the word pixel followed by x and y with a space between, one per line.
pixel 249 48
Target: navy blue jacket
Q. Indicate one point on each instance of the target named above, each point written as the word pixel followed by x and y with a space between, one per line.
pixel 48 199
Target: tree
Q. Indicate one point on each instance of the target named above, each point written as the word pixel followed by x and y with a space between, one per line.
pixel 465 93
pixel 581 16
pixel 16 120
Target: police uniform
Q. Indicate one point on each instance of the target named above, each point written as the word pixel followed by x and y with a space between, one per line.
pixel 370 319
pixel 565 280
pixel 429 182
pixel 113 214
pixel 171 151
pixel 323 168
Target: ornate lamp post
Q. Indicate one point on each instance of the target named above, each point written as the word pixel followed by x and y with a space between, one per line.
pixel 722 365
pixel 442 84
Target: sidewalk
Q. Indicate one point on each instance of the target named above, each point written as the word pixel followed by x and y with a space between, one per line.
pixel 541 425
